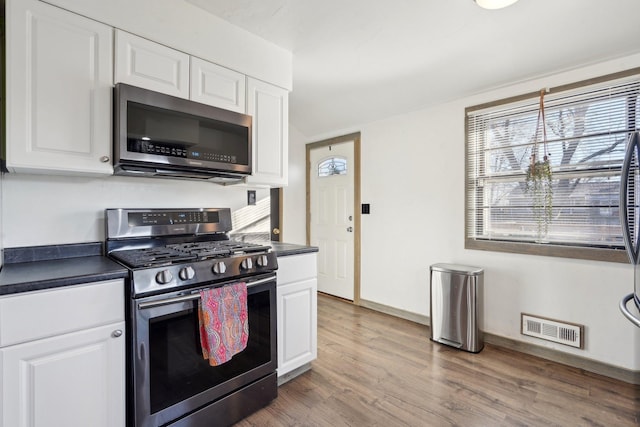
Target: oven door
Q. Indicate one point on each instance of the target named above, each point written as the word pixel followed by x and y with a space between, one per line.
pixel 170 377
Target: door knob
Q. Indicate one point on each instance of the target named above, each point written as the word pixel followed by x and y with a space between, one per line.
pixel 350 229
pixel 276 231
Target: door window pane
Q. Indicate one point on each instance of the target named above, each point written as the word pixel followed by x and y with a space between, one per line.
pixel 332 166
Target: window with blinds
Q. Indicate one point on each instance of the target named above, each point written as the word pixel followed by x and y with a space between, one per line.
pixel 587 128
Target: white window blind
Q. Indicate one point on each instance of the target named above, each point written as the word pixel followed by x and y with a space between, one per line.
pixel 587 130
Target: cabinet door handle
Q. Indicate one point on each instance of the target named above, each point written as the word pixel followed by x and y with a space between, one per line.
pixel 105 159
pixel 117 333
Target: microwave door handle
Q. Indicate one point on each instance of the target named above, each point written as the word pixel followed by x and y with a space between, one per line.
pixel 225 178
pixel 181 174
pixel 631 242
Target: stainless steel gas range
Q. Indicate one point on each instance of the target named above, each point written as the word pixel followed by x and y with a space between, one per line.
pixel 173 254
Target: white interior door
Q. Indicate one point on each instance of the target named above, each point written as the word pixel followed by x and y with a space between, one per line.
pixel 331 185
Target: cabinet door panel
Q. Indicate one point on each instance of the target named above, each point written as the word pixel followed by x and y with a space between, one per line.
pixel 143 63
pixel 297 325
pixel 59 83
pixel 71 380
pixel 218 86
pixel 269 106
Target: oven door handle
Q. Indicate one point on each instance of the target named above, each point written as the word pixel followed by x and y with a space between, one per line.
pixel 194 296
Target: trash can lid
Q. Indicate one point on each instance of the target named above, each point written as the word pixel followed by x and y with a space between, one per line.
pixel 457 268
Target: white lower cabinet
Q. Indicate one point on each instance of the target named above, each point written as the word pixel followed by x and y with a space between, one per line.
pixel 74 379
pixel 297 312
pixel 75 376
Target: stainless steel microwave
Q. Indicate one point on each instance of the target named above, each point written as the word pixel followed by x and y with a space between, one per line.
pixel 158 135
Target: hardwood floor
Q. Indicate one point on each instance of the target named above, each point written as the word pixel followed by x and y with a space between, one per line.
pixel 377 370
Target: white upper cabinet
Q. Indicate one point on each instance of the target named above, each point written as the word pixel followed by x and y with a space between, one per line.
pixel 58 91
pixel 269 106
pixel 143 63
pixel 59 88
pixel 218 86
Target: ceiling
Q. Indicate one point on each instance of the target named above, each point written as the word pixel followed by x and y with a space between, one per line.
pixel 356 61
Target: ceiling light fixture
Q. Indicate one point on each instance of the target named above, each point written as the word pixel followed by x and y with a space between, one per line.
pixel 494 4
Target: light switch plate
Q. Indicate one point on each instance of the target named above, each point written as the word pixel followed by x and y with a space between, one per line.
pixel 251 197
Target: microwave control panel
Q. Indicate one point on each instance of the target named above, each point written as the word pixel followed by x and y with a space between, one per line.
pixel 177 150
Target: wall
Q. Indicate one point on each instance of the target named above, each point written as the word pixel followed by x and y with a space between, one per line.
pixel 45 210
pixel 413 177
pixel 294 221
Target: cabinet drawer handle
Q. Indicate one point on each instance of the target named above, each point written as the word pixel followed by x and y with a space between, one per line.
pixel 104 159
pixel 117 333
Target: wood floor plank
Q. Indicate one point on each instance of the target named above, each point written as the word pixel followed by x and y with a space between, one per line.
pixel 378 370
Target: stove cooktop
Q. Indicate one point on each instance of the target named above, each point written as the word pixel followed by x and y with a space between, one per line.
pixel 185 252
pixel 174 249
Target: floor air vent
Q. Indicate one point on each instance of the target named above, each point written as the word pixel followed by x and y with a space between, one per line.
pixel 553 330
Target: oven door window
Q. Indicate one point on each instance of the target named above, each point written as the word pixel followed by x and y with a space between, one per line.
pixel 177 369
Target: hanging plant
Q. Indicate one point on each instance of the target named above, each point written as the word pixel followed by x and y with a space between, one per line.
pixel 539 178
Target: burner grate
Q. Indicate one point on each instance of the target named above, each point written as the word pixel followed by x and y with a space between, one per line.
pixel 204 250
pixel 201 249
pixel 152 256
pixel 181 252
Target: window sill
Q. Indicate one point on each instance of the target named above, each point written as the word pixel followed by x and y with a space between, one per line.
pixel 575 252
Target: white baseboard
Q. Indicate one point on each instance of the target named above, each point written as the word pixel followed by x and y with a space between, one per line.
pixel 414 317
pixel 622 374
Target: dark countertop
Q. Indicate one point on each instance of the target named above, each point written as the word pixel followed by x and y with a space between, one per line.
pixel 46 267
pixel 286 249
pixel 53 267
pixel 280 248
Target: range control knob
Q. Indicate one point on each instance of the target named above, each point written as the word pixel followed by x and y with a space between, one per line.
pixel 246 264
pixel 187 273
pixel 163 277
pixel 262 261
pixel 219 268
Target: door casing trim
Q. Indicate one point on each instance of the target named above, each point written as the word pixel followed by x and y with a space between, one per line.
pixel 355 137
pixel 278 210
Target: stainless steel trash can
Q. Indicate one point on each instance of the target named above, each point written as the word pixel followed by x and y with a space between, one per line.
pixel 456 306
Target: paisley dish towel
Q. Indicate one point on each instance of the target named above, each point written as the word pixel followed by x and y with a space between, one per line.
pixel 223 320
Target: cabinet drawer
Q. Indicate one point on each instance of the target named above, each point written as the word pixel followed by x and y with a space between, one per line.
pixel 294 268
pixel 34 315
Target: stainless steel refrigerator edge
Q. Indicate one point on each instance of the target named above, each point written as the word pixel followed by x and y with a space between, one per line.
pixel 630 221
